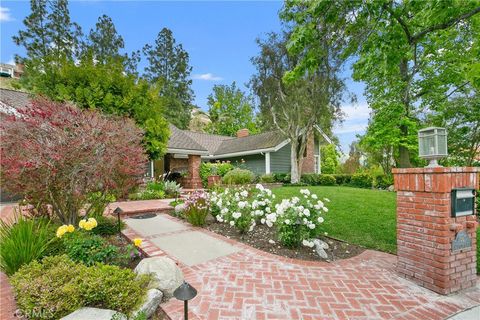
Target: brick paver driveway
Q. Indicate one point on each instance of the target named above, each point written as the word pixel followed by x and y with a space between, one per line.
pixel 252 284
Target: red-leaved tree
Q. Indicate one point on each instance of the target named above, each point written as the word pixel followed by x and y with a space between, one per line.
pixel 58 155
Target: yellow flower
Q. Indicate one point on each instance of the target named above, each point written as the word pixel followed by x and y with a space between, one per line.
pixel 70 228
pixel 81 224
pixel 137 242
pixel 61 230
pixel 93 222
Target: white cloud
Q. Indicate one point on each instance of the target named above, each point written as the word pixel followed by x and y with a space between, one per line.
pixel 11 61
pixel 356 112
pixel 207 77
pixel 5 14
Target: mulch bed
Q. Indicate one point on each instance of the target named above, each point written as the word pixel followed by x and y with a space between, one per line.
pixel 260 236
pixel 123 242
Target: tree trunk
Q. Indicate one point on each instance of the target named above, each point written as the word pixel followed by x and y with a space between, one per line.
pixel 404 153
pixel 294 164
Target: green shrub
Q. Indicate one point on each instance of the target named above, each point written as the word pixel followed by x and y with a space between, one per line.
pixel 89 249
pixel 342 179
pixel 107 226
pixel 23 241
pixel 267 178
pixel 98 201
pixel 362 180
pixel 382 181
pixel 214 168
pixel 282 177
pixel 172 189
pixel 58 286
pixel 314 179
pixel 238 176
pixel 147 195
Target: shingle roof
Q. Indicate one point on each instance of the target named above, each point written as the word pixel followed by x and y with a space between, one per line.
pixel 180 140
pixel 15 99
pixel 211 142
pixel 265 140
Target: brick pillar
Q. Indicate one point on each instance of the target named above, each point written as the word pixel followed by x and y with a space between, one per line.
pixel 193 180
pixel 425 228
pixel 308 165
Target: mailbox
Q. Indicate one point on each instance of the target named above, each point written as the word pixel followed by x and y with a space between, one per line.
pixel 463 202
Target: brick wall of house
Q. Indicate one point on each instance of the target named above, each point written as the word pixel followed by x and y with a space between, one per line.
pixel 425 228
pixel 308 165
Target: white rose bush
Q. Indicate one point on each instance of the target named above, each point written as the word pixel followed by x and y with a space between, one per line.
pixel 297 220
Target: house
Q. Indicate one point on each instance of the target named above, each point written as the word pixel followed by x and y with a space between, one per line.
pixel 263 153
pixel 10 70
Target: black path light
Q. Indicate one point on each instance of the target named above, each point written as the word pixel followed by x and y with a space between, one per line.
pixel 118 211
pixel 184 293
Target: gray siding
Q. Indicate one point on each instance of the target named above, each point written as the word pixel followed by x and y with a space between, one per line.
pixel 280 160
pixel 316 151
pixel 254 162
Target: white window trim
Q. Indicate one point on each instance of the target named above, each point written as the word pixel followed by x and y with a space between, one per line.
pixel 267 162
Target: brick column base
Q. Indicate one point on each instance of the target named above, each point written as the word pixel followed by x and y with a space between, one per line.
pixel 425 228
pixel 193 180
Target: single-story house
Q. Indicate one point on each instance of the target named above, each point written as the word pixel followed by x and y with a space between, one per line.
pixel 263 153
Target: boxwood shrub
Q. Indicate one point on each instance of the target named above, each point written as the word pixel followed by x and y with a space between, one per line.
pixel 314 179
pixel 238 176
pixel 57 286
pixel 362 180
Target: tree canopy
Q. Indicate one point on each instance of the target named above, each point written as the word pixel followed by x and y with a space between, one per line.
pixel 230 110
pixel 408 53
pixel 169 68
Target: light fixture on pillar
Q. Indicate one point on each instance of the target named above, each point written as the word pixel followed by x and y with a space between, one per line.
pixel 432 144
pixel 184 293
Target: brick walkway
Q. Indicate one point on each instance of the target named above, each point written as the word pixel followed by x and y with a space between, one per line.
pixel 252 284
pixel 7 302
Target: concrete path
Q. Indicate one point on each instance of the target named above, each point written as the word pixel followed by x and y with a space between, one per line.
pixel 470 314
pixel 236 281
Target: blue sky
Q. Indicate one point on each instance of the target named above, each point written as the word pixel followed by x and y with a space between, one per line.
pixel 219 37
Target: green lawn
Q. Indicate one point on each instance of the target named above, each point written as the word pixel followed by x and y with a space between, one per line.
pixel 358 216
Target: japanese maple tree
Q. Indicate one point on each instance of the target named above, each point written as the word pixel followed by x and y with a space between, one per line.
pixel 57 155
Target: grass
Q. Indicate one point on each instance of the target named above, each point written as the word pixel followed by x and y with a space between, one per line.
pixel 358 216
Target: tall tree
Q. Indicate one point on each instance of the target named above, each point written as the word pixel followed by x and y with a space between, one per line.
pixel 169 67
pixel 401 51
pixel 104 42
pixel 49 35
pixel 106 87
pixel 230 110
pixel 295 107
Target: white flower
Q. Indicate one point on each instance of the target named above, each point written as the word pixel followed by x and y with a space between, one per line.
pixel 326 199
pixel 224 211
pixel 242 204
pixel 251 228
pixel 305 192
pixel 325 209
pixel 306 212
pixel 262 221
pixel 320 219
pixel 259 186
pixel 325 233
pixel 314 196
pixel 219 218
pixel 232 223
pixel 287 221
pixel 236 215
pixel 271 241
pixel 311 226
pixel 244 193
pixel 269 223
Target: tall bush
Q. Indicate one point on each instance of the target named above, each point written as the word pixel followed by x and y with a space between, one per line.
pixel 214 168
pixel 57 154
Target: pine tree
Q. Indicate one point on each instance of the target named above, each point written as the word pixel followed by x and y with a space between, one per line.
pixel 104 42
pixel 169 67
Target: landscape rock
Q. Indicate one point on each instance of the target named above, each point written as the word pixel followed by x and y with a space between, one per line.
pixel 95 313
pixel 166 275
pixel 321 252
pixel 154 297
pixel 391 188
pixel 321 244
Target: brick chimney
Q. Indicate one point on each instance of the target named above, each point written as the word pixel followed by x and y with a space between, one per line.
pixel 242 133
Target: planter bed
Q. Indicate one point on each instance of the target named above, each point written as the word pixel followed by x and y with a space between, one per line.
pixel 260 236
